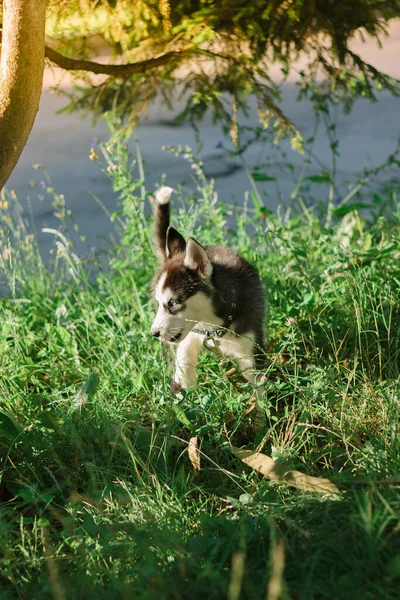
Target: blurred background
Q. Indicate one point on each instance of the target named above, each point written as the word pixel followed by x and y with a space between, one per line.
pixel 62 143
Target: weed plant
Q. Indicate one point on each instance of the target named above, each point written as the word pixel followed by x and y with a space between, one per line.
pixel 98 496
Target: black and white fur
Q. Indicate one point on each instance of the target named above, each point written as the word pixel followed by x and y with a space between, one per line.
pixel 203 288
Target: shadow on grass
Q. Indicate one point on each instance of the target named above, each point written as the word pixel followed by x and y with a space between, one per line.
pixel 95 509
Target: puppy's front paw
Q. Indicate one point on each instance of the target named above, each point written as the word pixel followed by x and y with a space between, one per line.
pixel 175 387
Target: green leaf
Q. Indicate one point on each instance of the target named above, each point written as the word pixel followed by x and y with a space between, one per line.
pixel 64 335
pixel 377 199
pixel 90 386
pixel 259 206
pixel 367 242
pixel 26 494
pixel 393 566
pixel 9 427
pixel 88 389
pixel 341 211
pixel 42 522
pixel 322 178
pixel 50 420
pixel 388 249
pixel 67 339
pixel 308 299
pixel 256 201
pixel 181 416
pixel 262 177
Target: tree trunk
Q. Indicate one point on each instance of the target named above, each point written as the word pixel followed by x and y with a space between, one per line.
pixel 21 77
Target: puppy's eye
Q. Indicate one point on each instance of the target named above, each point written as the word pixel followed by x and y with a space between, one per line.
pixel 173 303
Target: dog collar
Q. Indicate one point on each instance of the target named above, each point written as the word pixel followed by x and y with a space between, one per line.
pixel 219 332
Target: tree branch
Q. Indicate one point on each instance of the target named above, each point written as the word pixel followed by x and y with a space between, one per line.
pixel 72 64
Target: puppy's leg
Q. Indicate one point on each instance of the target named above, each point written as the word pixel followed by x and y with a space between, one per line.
pixel 187 356
pixel 244 349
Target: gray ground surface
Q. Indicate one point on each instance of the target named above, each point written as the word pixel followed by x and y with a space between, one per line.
pixel 62 143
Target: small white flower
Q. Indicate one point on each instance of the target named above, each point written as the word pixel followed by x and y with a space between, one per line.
pixel 163 194
pixel 290 321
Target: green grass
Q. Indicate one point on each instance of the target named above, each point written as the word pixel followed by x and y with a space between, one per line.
pixel 98 496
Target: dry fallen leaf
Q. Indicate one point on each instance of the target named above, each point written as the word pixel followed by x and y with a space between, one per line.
pixel 194 454
pixel 280 472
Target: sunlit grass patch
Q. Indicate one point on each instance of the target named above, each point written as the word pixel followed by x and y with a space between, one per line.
pixel 99 497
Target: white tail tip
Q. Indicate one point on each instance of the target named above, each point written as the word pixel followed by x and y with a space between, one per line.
pixel 163 194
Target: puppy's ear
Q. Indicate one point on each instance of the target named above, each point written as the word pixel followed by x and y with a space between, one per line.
pixel 175 242
pixel 196 258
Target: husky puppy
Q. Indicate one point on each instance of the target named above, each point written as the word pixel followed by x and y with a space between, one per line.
pixel 204 291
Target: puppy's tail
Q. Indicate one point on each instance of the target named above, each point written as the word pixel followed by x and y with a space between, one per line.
pixel 161 217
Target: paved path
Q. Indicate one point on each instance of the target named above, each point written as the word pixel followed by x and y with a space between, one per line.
pixel 62 144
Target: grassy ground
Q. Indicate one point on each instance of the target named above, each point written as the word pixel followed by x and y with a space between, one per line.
pixel 98 495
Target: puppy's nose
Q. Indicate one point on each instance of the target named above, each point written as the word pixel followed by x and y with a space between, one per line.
pixel 155 332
